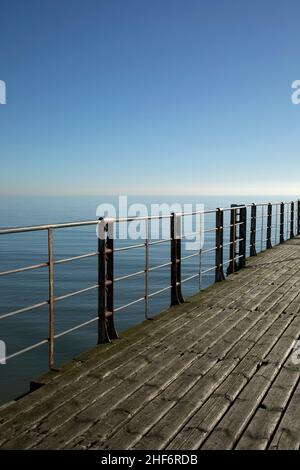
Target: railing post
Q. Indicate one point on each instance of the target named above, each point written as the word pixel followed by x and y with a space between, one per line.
pixel 175 228
pixel 232 267
pixel 147 272
pixel 253 231
pixel 269 227
pixel 51 298
pixel 282 222
pixel 219 274
pixel 298 217
pixel 292 234
pixel 106 327
pixel 242 237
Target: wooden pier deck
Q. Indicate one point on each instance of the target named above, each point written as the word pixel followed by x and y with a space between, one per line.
pixel 218 372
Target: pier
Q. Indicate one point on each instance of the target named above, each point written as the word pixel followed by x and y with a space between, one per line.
pixel 219 370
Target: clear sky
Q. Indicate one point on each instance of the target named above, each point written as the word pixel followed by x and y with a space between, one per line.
pixel 149 96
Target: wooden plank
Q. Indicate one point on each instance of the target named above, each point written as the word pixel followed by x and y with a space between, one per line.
pixel 183 380
pixel 67 411
pixel 108 359
pixel 170 421
pixel 269 412
pixel 203 421
pixel 231 426
pixel 287 435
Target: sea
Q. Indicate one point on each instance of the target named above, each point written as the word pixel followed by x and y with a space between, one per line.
pixel 23 289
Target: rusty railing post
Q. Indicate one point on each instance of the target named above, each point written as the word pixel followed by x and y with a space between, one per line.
pixel 219 273
pixel 282 222
pixel 269 227
pixel 106 326
pixel 232 266
pixel 51 298
pixel 175 228
pixel 147 266
pixel 253 231
pixel 242 237
pixel 298 217
pixel 292 224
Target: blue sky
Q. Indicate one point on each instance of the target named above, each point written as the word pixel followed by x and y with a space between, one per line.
pixel 149 97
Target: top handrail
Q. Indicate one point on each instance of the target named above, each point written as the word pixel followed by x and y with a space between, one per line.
pixel 35 228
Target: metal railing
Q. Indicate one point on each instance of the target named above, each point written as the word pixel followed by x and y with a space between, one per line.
pixel 280 221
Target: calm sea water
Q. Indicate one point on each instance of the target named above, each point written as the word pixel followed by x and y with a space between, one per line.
pixel 23 289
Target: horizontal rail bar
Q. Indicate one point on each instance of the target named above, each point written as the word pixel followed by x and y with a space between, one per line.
pixel 159 266
pixel 208 250
pixel 233 225
pixel 26 268
pixel 77 292
pixel 36 228
pixel 160 291
pixel 190 256
pixel 190 278
pixel 129 304
pixel 157 242
pixel 29 348
pixel 128 276
pixel 77 327
pixel 25 309
pixel 74 258
pixel 208 270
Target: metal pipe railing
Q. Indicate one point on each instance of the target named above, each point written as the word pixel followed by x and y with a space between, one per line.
pixel 287 223
pixel 51 298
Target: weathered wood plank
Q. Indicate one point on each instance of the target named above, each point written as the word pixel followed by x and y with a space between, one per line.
pixel 210 315
pixel 270 410
pixel 213 372
pixel 198 428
